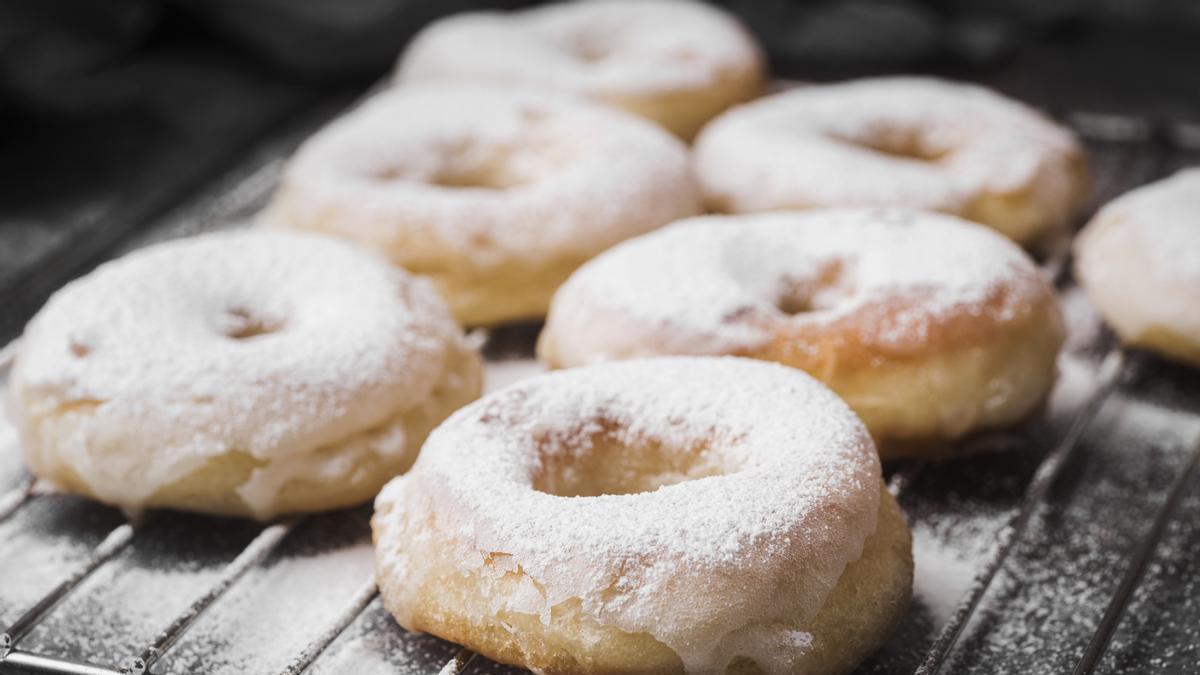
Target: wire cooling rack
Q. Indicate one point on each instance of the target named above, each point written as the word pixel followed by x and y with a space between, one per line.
pixel 1068 544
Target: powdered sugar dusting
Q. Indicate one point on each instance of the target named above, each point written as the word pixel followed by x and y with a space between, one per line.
pixel 607 48
pixel 1139 260
pixel 715 285
pixel 899 141
pixel 273 614
pixel 760 429
pixel 501 374
pixel 271 344
pixel 479 178
pixel 1166 217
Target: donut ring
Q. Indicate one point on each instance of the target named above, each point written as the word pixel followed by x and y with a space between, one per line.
pixel 241 373
pixel 1139 261
pixel 679 64
pixel 496 194
pixel 566 523
pixel 898 141
pixel 928 326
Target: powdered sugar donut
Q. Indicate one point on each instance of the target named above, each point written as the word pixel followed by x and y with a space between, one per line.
pixel 1139 261
pixel 242 373
pixel 655 516
pixel 677 63
pixel 496 194
pixel 927 325
pixel 897 141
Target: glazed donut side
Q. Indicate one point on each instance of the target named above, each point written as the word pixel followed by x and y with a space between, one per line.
pixel 536 575
pixel 240 373
pixel 928 326
pixel 861 612
pixel 495 194
pixel 897 141
pixel 678 64
pixel 1139 261
pixel 343 473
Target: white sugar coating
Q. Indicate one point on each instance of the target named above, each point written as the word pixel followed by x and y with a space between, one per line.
pixel 11 467
pixel 454 177
pixel 605 48
pixel 501 374
pixel 271 616
pixel 716 284
pixel 792 495
pixel 1139 260
pixel 1166 219
pixel 896 141
pixel 944 573
pixel 270 344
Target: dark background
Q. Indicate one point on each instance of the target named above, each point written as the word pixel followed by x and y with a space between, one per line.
pixel 114 112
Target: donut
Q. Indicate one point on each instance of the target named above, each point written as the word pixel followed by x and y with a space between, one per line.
pixel 1139 262
pixel 241 373
pixel 496 194
pixel 928 326
pixel 705 515
pixel 897 141
pixel 677 63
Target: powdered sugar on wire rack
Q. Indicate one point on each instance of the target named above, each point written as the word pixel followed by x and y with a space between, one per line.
pixel 1038 616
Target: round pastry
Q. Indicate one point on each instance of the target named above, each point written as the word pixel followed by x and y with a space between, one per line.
pixel 496 194
pixel 898 141
pixel 655 516
pixel 1139 261
pixel 240 373
pixel 927 325
pixel 677 63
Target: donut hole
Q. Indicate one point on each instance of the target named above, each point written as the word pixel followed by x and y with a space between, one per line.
pixel 829 288
pixel 239 323
pixel 480 164
pixel 900 144
pixel 489 176
pixel 459 175
pixel 589 49
pixel 613 461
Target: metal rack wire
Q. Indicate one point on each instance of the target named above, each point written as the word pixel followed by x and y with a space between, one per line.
pixel 1120 132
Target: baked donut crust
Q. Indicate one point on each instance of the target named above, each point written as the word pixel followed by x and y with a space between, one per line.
pixel 928 326
pixel 497 195
pixel 678 64
pixel 1139 261
pixel 483 562
pixel 241 373
pixel 862 611
pixel 895 141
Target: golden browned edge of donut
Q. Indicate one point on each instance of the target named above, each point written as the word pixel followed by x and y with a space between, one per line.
pixel 212 488
pixel 1167 342
pixel 518 290
pixel 869 601
pixel 507 293
pixel 920 408
pixel 1030 218
pixel 914 394
pixel 916 400
pixel 684 112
